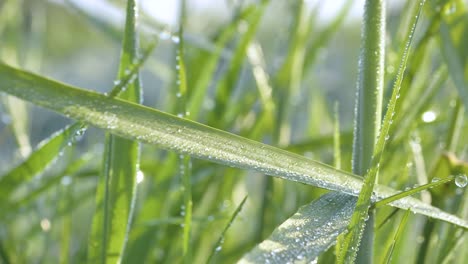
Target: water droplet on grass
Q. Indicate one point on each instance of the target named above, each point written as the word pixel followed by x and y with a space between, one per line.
pixel 65 181
pixel 45 225
pixel 461 180
pixel 140 177
pixel 175 39
pixel 428 116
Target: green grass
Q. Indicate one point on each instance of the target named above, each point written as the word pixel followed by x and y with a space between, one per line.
pixel 247 148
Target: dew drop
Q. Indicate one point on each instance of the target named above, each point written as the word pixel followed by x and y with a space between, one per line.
pixel 80 132
pixel 140 177
pixel 461 180
pixel 428 116
pixel 366 217
pixel 175 39
pixel 65 181
pixel 45 225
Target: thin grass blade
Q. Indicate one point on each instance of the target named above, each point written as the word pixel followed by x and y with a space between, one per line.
pixel 401 226
pixel 116 191
pixel 412 191
pixel 226 85
pixel 455 65
pixel 39 160
pixel 209 67
pixel 219 243
pixel 357 225
pixel 185 163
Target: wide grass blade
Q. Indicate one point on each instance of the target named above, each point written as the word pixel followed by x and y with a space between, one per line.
pixel 49 150
pixel 116 191
pixel 309 232
pixel 183 136
pixel 368 116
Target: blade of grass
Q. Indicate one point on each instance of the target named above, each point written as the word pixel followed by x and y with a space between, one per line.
pixel 289 76
pixel 226 86
pixel 454 62
pixel 321 142
pixel 266 117
pixel 3 255
pixel 183 136
pixel 357 225
pixel 45 154
pixel 64 202
pixel 412 191
pixel 325 35
pixel 48 183
pixel 401 226
pixel 337 159
pixel 217 246
pixel 48 150
pixel 185 163
pixel 209 67
pixel 368 114
pixel 309 232
pixel 117 189
pixel 18 111
pixel 336 138
pixel 455 128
